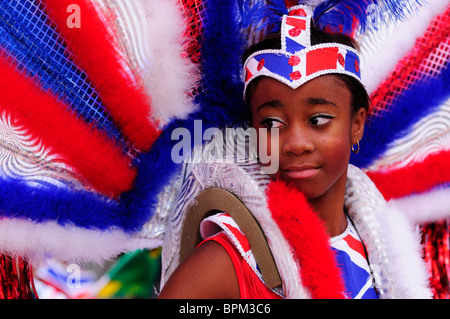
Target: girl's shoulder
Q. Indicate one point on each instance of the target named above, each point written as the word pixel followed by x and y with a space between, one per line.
pixel 208 272
pixel 224 230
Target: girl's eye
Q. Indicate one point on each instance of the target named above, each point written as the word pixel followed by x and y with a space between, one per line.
pixel 321 119
pixel 272 123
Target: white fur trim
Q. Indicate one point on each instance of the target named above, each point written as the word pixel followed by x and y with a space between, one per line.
pixel 392 244
pixel 38 242
pixel 426 207
pixel 404 249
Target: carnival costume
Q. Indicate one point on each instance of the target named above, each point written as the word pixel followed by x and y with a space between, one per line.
pixel 93 93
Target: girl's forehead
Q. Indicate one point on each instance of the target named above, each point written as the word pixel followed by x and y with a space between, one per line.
pixel 326 86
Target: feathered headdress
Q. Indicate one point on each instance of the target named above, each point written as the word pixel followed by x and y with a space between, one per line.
pixel 88 112
pixel 298 60
pixel 337 16
pixel 78 122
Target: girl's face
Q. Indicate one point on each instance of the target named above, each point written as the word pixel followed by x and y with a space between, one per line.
pixel 316 131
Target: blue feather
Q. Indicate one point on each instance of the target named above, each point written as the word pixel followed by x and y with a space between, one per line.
pixel 419 100
pixel 90 210
pixel 220 102
pixel 340 15
pixel 221 105
pixel 265 15
pixel 27 36
pixel 51 203
pixel 344 16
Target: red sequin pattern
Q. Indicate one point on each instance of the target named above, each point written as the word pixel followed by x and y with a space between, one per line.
pixel 430 53
pixel 194 13
pixel 15 278
pixel 435 240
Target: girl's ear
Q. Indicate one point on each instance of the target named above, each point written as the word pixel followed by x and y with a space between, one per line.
pixel 357 129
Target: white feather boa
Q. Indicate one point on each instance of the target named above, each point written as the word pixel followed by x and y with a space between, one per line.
pixel 152 36
pixel 169 76
pixel 392 242
pixel 426 207
pixel 39 242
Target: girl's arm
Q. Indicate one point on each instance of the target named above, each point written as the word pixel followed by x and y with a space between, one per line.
pixel 208 273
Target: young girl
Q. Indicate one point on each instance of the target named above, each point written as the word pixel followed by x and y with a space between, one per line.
pixel 340 241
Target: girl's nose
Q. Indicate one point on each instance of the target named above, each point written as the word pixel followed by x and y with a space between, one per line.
pixel 296 141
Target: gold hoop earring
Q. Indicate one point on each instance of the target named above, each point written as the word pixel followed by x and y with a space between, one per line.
pixel 357 147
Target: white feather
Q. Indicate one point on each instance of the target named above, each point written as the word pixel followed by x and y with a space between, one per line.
pixel 426 207
pixel 404 251
pixel 38 242
pixel 169 76
pixel 382 50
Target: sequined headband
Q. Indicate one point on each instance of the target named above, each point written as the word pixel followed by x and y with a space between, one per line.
pixel 298 61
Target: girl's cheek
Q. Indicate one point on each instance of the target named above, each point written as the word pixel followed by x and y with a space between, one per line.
pixel 269 149
pixel 338 151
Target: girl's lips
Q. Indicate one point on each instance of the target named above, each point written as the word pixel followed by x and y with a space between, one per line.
pixel 301 173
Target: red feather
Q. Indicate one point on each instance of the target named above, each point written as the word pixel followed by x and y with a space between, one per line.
pixel 415 178
pixel 93 50
pixel 306 233
pixel 92 154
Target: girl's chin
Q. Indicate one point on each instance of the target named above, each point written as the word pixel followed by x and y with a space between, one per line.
pixel 300 184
